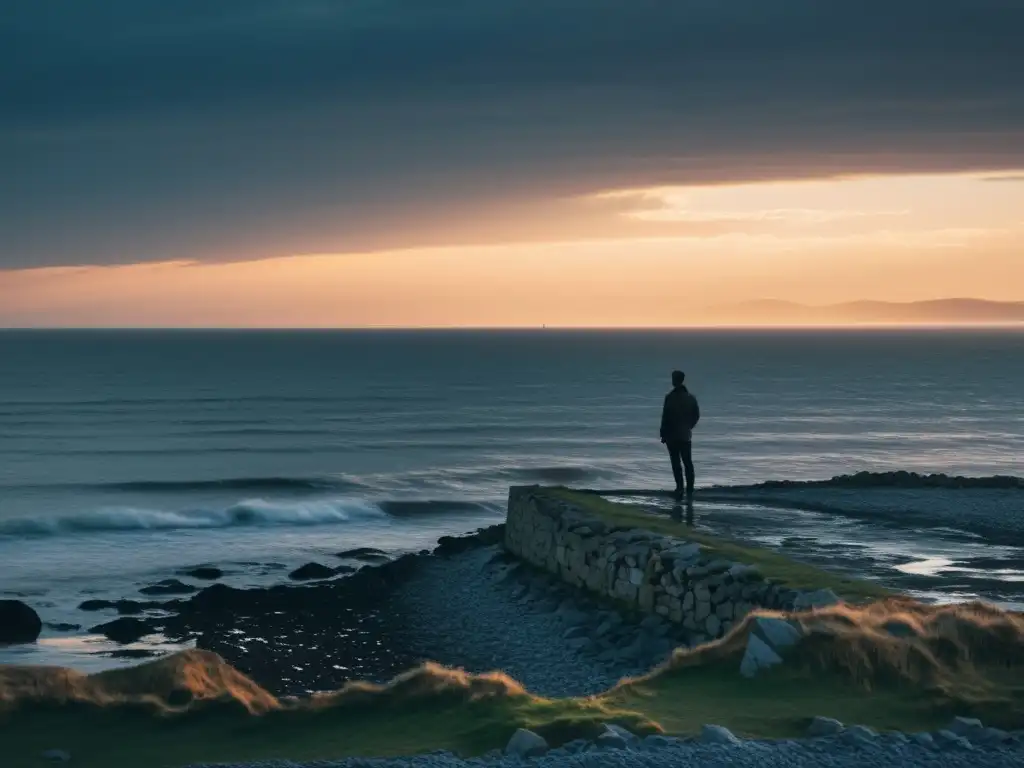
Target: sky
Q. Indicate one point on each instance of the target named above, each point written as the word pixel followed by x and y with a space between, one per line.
pixel 503 162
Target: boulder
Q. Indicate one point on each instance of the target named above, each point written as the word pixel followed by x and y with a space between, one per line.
pixel 18 622
pixel 364 555
pixel 778 633
pixel 713 625
pixel 922 740
pixel 860 736
pixel 657 741
pixel 759 655
pixel 824 726
pixel 95 605
pixel 204 572
pixel 311 571
pixel 123 607
pixel 717 734
pixel 61 627
pixel 526 743
pixel 821 598
pixel 621 732
pixel 965 726
pixel 169 587
pixel 990 737
pixel 949 740
pixel 124 630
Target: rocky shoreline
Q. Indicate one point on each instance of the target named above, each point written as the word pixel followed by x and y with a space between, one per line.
pixel 465 604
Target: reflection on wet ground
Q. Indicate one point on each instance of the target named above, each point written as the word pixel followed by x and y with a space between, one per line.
pixel 938 564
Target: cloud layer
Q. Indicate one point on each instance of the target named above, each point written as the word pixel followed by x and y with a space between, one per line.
pixel 141 130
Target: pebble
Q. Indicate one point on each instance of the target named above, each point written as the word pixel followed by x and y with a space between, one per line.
pixel 695 754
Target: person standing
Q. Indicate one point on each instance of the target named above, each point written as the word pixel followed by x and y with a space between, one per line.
pixel 679 416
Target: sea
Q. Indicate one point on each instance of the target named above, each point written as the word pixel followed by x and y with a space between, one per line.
pixel 126 456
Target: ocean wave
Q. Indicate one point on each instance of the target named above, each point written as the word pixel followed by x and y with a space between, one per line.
pixel 243 484
pixel 311 484
pixel 251 513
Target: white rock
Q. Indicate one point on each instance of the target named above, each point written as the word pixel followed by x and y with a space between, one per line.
pixel 824 726
pixel 860 734
pixel 950 739
pixel 759 655
pixel 778 633
pixel 821 598
pixel 526 743
pixel 716 734
pixel 618 730
pixel 965 726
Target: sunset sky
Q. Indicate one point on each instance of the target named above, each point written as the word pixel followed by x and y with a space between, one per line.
pixel 449 163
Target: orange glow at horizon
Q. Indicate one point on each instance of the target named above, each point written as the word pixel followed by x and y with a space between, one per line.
pixel 900 238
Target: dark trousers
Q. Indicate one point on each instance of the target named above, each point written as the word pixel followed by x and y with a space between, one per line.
pixel 681 456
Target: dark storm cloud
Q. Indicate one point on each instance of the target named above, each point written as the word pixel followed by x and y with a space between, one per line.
pixel 142 129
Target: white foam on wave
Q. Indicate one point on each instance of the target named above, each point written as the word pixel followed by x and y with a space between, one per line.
pixel 252 512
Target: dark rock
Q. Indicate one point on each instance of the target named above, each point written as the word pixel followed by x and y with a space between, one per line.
pixel 524 744
pixel 485 537
pixel 216 598
pixel 133 607
pixel 717 734
pixel 311 571
pixel 365 555
pixel 56 756
pixel 18 622
pixel 204 572
pixel 169 587
pixel 950 740
pixel 123 607
pixel 95 605
pixel 124 630
pixel 824 726
pixel 57 627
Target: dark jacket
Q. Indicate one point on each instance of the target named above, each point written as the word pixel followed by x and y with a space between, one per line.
pixel 679 416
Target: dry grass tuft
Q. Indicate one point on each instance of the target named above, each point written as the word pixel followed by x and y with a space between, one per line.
pixel 429 680
pixel 175 683
pixel 961 651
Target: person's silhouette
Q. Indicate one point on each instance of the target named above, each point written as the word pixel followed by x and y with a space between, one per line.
pixel 679 416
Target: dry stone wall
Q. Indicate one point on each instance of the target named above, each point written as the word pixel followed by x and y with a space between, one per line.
pixel 646 571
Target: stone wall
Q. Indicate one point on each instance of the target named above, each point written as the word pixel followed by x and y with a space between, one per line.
pixel 640 569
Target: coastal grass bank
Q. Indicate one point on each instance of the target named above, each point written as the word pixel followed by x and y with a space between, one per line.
pixel 774 643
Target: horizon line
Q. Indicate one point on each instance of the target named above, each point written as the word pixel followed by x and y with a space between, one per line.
pixel 880 326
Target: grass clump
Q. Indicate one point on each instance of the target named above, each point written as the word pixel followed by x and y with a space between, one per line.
pixel 891 665
pixel 773 565
pixel 122 719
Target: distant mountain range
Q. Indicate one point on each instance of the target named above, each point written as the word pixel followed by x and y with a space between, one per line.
pixel 938 311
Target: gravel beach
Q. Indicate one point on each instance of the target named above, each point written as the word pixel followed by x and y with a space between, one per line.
pixel 661 752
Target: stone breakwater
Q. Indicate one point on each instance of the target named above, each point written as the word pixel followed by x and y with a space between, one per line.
pixel 642 570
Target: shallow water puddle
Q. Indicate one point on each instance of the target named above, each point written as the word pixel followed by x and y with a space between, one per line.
pixel 941 564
